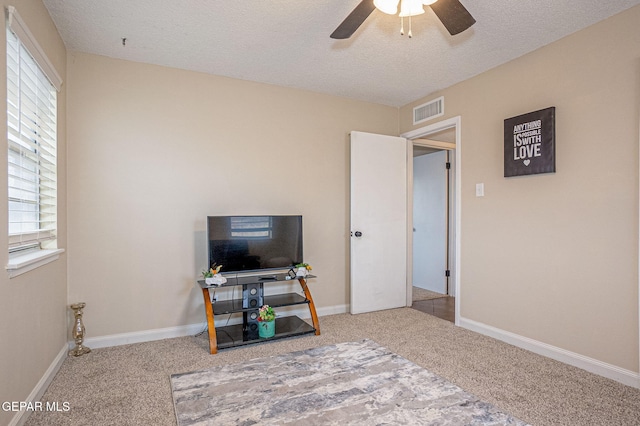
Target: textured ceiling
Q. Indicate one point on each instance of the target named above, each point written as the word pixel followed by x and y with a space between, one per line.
pixel 286 42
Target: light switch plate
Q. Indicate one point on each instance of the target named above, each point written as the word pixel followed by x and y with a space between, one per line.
pixel 479 189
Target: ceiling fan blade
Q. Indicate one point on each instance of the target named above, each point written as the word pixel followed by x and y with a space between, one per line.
pixel 354 20
pixel 453 15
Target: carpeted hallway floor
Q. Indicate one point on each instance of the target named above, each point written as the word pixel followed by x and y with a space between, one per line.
pixel 129 385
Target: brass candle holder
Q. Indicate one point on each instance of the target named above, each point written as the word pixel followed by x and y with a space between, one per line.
pixel 78 331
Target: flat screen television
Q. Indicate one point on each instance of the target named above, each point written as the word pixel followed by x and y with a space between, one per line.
pixel 254 243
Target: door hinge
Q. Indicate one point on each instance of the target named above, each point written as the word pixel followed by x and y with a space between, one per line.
pixel 448 165
pixel 447 273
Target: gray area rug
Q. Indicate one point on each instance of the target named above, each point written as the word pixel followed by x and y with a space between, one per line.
pixel 342 384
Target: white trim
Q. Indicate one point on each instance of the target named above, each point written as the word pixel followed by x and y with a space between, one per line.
pixel 141 336
pixel 434 144
pixel 456 123
pixel 449 123
pixel 189 330
pixel 19 264
pixel 624 376
pixel 409 275
pixel 19 27
pixel 38 391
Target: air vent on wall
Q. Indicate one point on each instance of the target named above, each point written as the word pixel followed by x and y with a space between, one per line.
pixel 427 111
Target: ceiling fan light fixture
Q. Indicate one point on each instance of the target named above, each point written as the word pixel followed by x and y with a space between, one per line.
pixel 451 13
pixel 411 8
pixel 389 7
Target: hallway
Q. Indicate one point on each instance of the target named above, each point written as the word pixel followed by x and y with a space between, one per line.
pixel 442 307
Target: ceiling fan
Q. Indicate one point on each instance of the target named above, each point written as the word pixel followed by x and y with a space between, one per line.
pixel 451 13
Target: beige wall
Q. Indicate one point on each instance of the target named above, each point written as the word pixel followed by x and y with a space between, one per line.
pixel 153 151
pixel 33 313
pixel 554 257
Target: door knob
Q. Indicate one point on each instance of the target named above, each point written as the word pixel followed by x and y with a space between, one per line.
pixel 358 234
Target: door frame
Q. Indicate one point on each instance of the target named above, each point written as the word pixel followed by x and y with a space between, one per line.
pixel 451 123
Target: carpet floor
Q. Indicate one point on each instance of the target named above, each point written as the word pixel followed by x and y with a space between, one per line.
pixel 336 385
pixel 129 385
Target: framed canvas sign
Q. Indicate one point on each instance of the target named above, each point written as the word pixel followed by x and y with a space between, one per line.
pixel 530 143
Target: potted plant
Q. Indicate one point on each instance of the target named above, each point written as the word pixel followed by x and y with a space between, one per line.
pixel 267 319
pixel 212 276
pixel 302 270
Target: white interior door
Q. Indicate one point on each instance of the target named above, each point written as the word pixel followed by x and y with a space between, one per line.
pixel 378 222
pixel 430 221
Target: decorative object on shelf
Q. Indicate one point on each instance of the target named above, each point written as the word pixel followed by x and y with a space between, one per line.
pixel 213 277
pixel 267 319
pixel 303 270
pixel 78 330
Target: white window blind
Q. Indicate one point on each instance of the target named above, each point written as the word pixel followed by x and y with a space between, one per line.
pixel 251 227
pixel 32 142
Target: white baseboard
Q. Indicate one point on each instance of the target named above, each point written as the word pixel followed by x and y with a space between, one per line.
pixel 141 336
pixel 189 330
pixel 332 310
pixel 42 385
pixel 626 377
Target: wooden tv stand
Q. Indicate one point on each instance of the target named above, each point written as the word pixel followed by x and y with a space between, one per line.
pixel 253 298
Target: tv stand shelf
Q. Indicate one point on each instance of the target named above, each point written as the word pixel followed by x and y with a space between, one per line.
pixel 246 333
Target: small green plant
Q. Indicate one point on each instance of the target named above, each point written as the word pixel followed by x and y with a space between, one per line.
pixel 212 271
pixel 266 313
pixel 304 265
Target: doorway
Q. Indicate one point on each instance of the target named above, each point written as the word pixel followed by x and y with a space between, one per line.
pixel 431 288
pixel 436 143
pixel 430 222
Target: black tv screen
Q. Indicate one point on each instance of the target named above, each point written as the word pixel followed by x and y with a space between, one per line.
pixel 254 243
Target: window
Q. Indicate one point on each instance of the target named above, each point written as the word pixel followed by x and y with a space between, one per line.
pixel 32 144
pixel 251 227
